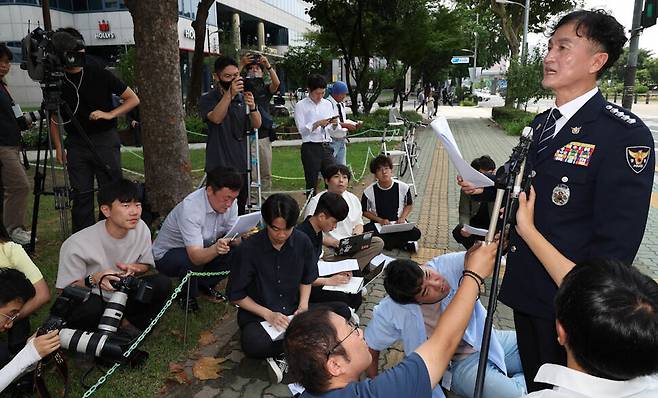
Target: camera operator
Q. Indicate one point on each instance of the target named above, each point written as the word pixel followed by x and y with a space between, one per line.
pixel 116 247
pixel 12 173
pixel 15 291
pixel 88 92
pixel 255 64
pixel 230 112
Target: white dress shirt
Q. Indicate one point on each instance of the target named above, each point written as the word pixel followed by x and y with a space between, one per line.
pixel 570 383
pixel 570 108
pixel 307 113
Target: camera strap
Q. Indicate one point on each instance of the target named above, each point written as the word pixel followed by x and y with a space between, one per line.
pixel 62 369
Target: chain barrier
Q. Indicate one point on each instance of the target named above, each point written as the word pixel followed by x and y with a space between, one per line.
pixel 148 329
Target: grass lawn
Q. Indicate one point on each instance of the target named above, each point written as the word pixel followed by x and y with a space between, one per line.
pixel 165 343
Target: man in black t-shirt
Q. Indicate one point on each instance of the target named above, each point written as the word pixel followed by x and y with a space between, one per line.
pixel 388 201
pixel 88 93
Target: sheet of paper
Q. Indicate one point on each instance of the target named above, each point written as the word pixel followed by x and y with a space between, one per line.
pixel 381 258
pixel 333 267
pixel 389 228
pixel 244 224
pixel 475 231
pixel 275 334
pixel 464 169
pixel 353 286
pixel 296 389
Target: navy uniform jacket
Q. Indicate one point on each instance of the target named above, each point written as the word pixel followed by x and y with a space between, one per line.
pixel 605 156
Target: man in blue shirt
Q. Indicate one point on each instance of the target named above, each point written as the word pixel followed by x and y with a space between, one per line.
pixel 417 298
pixel 327 354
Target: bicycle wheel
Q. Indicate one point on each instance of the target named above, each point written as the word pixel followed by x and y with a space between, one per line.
pixel 404 165
pixel 414 151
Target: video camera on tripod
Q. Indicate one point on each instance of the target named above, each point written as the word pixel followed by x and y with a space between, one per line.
pixel 46 54
pixel 103 344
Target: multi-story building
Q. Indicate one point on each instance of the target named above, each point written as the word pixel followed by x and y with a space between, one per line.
pixel 266 25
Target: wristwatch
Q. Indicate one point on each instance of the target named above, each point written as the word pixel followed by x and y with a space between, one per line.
pixel 89 281
pixel 253 110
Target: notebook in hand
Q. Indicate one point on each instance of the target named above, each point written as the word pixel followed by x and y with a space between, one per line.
pixel 353 244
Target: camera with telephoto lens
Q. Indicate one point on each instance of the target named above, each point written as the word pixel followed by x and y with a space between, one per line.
pixel 28 118
pixel 46 54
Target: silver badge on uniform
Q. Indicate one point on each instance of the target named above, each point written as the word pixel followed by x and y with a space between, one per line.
pixel 561 195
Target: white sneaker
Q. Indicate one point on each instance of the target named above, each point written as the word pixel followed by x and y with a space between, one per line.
pixel 277 367
pixel 364 292
pixel 21 236
pixel 354 317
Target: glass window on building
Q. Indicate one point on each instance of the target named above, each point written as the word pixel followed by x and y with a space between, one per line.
pixel 80 5
pixel 94 5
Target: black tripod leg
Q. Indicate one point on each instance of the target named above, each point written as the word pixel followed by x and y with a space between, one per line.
pixel 39 186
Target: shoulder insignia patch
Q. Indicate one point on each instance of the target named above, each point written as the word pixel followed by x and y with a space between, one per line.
pixel 620 114
pixel 637 157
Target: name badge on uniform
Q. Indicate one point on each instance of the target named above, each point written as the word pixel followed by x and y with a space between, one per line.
pixel 577 153
pixel 637 157
pixel 561 194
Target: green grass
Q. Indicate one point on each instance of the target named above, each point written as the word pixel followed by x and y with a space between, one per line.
pixel 165 343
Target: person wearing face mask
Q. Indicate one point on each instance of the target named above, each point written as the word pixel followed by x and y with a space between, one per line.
pixel 417 297
pixel 230 113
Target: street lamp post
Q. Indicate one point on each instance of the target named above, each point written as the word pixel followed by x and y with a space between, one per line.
pixel 526 18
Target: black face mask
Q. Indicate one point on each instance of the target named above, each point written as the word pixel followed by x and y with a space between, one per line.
pixel 225 85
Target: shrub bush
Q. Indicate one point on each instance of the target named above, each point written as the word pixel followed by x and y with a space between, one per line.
pixel 512 120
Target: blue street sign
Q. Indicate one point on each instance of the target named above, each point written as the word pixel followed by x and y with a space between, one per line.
pixel 460 60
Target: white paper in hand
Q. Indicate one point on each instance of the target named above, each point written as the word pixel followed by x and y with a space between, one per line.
pixel 275 334
pixel 464 169
pixel 394 227
pixel 352 287
pixel 333 267
pixel 475 231
pixel 244 224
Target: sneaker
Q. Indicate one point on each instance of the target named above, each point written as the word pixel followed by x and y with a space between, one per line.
pixel 21 236
pixel 191 304
pixel 364 292
pixel 213 295
pixel 354 317
pixel 411 247
pixel 277 367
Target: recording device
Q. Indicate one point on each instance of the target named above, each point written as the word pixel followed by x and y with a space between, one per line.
pixel 255 58
pixel 255 85
pixel 103 344
pixel 25 119
pixel 46 54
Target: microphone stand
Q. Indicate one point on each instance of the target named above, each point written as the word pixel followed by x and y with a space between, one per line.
pixel 508 188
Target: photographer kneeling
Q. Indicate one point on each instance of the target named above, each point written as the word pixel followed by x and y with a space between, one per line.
pixel 99 255
pixel 15 291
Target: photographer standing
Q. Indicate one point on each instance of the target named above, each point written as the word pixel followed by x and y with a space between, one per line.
pixel 88 92
pixel 230 112
pixel 255 65
pixel 14 181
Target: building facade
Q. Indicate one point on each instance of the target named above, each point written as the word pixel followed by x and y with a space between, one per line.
pixel 270 26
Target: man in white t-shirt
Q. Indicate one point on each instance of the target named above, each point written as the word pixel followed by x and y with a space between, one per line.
pixel 337 178
pixel 99 255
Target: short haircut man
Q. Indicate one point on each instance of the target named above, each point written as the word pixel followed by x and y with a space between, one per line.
pixel 386 201
pixel 192 236
pixel 417 296
pixel 607 317
pixel 230 113
pixel 101 254
pixel 88 91
pixel 316 120
pixel 337 178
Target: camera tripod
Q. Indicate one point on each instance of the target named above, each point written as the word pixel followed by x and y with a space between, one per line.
pixel 52 107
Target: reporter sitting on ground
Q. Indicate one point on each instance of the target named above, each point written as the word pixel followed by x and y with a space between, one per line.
pixel 417 296
pixel 191 237
pixel 271 279
pixel 607 318
pixel 112 248
pixel 337 178
pixel 331 208
pixel 388 201
pixel 15 291
pixel 327 354
pixel 12 255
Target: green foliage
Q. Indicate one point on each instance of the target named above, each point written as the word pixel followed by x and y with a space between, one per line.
pixel 126 66
pixel 525 80
pixel 512 120
pixel 301 62
pixel 196 129
pixel 468 102
pixel 641 89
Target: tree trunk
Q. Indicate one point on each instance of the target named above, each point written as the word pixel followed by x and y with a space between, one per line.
pixel 199 25
pixel 167 164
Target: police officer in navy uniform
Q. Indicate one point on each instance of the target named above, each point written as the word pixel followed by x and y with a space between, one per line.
pixel 593 166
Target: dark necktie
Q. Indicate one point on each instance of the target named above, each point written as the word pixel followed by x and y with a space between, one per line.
pixel 340 112
pixel 548 132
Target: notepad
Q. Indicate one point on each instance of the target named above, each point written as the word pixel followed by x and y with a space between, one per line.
pixel 275 334
pixel 352 287
pixel 244 224
pixel 333 267
pixel 391 228
pixel 475 231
